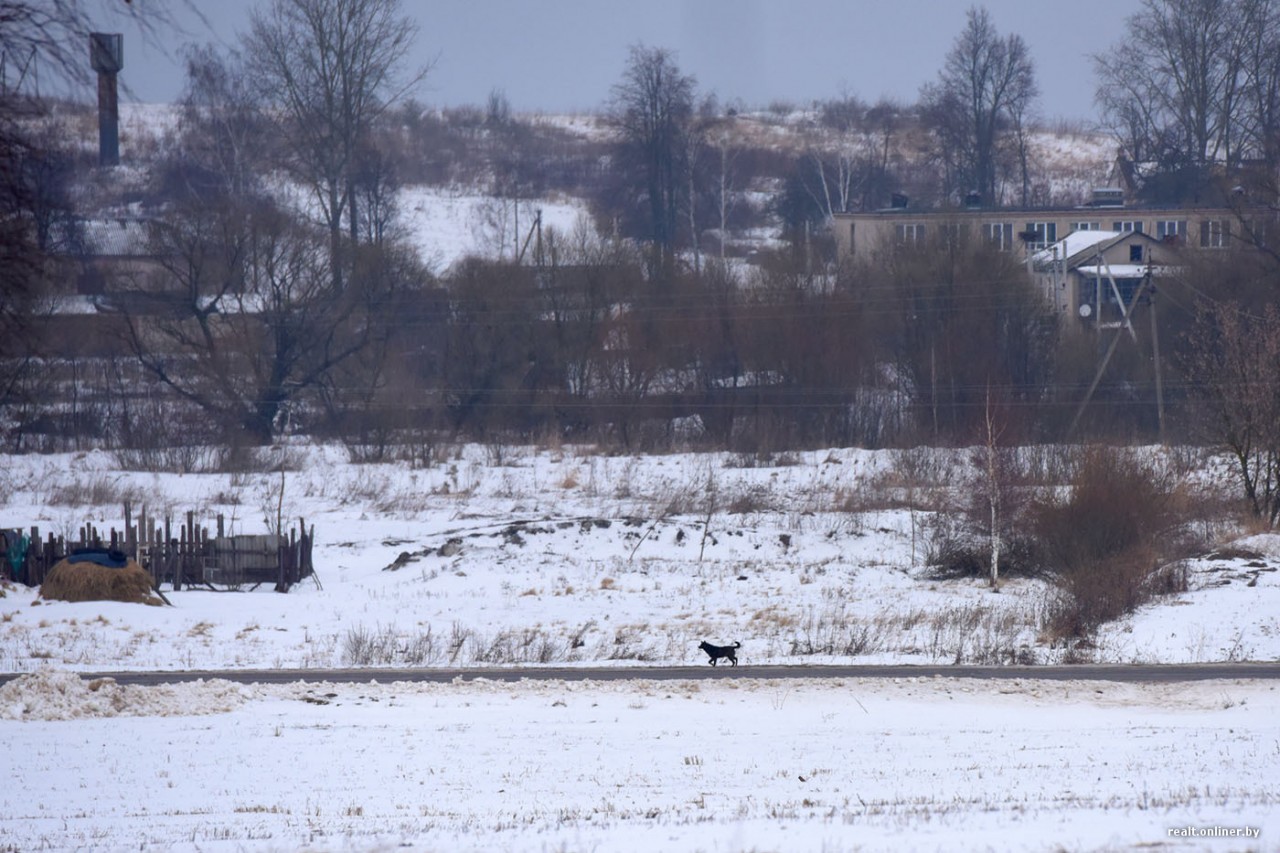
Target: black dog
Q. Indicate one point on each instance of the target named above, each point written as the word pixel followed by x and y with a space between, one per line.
pixel 717 652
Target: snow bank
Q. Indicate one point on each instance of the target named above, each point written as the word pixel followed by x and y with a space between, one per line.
pixel 55 695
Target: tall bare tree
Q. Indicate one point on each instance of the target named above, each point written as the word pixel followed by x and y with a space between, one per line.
pixel 1233 365
pixel 652 110
pixel 333 67
pixel 223 132
pixel 1260 65
pixel 1192 87
pixel 251 322
pixel 985 83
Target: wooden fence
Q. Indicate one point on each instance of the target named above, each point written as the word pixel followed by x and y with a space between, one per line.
pixel 182 555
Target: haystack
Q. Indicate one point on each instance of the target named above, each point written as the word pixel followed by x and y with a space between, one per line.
pixel 74 579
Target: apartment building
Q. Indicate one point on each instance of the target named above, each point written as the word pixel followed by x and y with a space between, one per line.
pixel 1087 260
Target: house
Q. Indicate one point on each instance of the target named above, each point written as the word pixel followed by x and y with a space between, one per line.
pixel 103 255
pixel 1099 275
pixel 1087 260
pixel 1032 229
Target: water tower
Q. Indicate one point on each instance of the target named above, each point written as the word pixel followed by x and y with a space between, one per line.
pixel 106 55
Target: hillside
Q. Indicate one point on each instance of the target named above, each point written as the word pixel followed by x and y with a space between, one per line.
pixel 455 169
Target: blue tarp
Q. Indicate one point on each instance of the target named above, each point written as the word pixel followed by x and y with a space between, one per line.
pixel 15 551
pixel 112 559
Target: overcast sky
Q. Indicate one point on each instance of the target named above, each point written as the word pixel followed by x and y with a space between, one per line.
pixel 562 55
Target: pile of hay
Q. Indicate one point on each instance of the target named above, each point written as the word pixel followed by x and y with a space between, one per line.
pixel 72 580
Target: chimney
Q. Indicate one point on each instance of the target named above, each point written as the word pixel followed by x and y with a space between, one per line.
pixel 1107 197
pixel 106 55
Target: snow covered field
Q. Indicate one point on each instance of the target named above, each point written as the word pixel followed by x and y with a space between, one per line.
pixel 506 556
pixel 726 765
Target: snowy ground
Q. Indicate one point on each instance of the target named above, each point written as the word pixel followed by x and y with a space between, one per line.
pixel 448 225
pixel 499 556
pixel 561 557
pixel 726 765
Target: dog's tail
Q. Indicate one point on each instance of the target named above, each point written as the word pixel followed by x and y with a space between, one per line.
pixel 737 645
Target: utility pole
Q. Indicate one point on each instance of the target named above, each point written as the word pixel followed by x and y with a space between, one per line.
pixel 1155 353
pixel 1126 312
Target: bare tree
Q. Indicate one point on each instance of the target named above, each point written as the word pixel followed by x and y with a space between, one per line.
pixel 725 176
pixel 652 110
pixel 1260 95
pixel 880 130
pixel 332 66
pixel 248 320
pixel 985 80
pixel 52 35
pixel 833 177
pixel 1178 89
pixel 993 487
pixel 1233 365
pixel 223 132
pixel 48 37
pixel 960 320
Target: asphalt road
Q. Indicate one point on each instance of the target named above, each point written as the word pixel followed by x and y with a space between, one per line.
pixel 1131 673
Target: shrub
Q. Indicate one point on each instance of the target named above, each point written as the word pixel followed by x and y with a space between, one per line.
pixel 960 540
pixel 98 490
pixel 1106 538
pixel 956 552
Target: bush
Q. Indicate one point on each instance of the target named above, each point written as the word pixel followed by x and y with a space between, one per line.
pixel 1104 542
pixel 960 539
pixel 955 553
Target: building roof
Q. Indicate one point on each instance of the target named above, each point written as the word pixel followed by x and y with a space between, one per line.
pixel 1072 245
pixel 1123 270
pixel 114 237
pixel 1082 247
pixel 1145 209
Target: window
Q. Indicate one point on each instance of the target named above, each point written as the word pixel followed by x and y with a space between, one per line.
pixel 909 232
pixel 1127 226
pixel 1086 226
pixel 1172 230
pixel 1214 234
pixel 954 233
pixel 1044 233
pixel 999 235
pixel 1135 253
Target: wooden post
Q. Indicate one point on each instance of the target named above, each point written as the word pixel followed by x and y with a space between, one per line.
pixel 202 558
pixel 130 535
pixel 168 552
pixel 27 564
pixel 180 567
